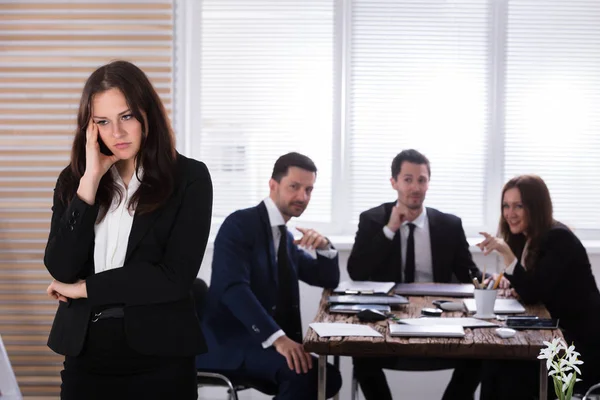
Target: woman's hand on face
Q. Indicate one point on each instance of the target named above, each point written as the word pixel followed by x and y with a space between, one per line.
pixel 64 291
pixel 96 163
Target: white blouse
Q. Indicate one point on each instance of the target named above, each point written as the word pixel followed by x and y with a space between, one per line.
pixel 112 233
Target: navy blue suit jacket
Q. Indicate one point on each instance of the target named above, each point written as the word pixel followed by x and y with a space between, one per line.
pixel 242 297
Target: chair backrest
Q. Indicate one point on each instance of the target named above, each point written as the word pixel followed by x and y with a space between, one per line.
pixel 200 290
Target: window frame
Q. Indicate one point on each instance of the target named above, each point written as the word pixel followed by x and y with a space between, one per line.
pixel 187 118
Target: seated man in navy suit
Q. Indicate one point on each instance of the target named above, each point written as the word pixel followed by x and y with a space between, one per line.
pixel 252 317
pixel 402 241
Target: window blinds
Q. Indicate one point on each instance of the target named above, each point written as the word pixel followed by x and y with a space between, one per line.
pixel 418 79
pixel 553 103
pixel 266 89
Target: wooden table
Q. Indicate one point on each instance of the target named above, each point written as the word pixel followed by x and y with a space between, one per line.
pixel 478 343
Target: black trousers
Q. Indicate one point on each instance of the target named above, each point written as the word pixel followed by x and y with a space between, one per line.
pixel 108 368
pixel 270 366
pixel 369 373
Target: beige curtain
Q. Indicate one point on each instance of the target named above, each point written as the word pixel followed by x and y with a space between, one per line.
pixel 47 50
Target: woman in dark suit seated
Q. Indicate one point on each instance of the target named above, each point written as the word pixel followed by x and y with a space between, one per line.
pixel 129 228
pixel 545 263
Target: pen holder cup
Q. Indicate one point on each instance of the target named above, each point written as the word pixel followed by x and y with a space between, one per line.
pixel 484 302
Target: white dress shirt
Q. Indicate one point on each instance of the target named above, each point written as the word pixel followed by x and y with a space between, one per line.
pixel 423 262
pixel 276 219
pixel 112 233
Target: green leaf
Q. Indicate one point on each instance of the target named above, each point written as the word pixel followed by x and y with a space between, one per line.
pixel 557 387
pixel 571 385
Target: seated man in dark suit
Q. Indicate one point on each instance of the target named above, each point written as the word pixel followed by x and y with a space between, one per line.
pixel 402 241
pixel 252 318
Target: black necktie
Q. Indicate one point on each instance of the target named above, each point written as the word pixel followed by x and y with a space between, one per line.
pixel 283 270
pixel 286 315
pixel 410 255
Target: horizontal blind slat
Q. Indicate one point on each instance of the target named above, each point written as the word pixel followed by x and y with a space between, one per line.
pixel 419 80
pixel 266 89
pixel 553 103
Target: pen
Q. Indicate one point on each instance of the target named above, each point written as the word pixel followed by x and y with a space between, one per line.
pixel 491 284
pixel 476 283
pixel 483 277
pixel 498 280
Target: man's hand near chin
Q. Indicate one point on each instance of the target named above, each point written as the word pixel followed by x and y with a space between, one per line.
pixel 401 213
pixel 297 359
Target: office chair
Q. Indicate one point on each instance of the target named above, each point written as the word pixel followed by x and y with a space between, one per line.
pixel 207 377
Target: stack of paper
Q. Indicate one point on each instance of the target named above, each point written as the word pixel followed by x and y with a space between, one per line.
pixel 365 287
pixel 357 299
pixel 327 329
pixel 427 331
pixel 458 321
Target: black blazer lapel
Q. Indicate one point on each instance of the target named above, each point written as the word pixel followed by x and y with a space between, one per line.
pixel 437 243
pixel 268 236
pixel 141 224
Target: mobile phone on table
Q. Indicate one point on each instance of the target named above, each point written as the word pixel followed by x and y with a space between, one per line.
pixel 532 323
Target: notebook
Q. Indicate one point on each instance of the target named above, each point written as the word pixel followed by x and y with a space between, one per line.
pixel 355 308
pixel 502 306
pixel 435 289
pixel 427 331
pixel 453 321
pixel 355 299
pixel 364 287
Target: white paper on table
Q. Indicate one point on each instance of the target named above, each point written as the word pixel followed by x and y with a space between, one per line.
pixel 458 321
pixel 501 306
pixel 364 287
pixel 327 329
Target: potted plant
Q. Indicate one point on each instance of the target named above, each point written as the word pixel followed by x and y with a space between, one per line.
pixel 561 362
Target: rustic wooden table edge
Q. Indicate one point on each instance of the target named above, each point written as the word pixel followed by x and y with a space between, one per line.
pixel 478 343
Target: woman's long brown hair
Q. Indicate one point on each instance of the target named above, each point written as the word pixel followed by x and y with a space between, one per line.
pixel 157 155
pixel 537 204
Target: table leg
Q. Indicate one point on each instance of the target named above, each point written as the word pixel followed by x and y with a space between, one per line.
pixel 336 364
pixel 323 376
pixel 543 380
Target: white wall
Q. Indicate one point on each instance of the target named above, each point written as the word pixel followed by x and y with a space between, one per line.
pixel 412 385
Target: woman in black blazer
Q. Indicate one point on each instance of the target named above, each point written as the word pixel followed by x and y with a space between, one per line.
pixel 130 223
pixel 546 263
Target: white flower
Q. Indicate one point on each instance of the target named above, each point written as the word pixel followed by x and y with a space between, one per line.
pixel 573 361
pixel 556 345
pixel 552 348
pixel 567 381
pixel 561 362
pixel 571 350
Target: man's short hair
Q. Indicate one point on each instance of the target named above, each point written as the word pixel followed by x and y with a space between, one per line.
pixel 411 156
pixel 293 159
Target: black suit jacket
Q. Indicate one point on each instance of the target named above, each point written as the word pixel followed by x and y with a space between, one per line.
pixel 164 253
pixel 242 298
pixel 562 280
pixel 376 258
